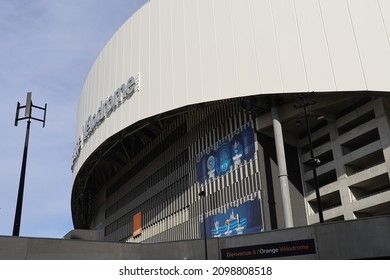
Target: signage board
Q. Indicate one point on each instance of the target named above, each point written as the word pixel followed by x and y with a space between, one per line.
pixel 270 250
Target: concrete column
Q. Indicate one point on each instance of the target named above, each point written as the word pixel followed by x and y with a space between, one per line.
pixel 283 179
pixel 381 115
pixel 338 164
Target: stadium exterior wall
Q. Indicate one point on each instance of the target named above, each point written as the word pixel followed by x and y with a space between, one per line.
pixel 180 77
pixel 189 52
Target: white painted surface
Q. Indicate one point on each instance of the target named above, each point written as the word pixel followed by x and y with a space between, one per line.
pixel 190 51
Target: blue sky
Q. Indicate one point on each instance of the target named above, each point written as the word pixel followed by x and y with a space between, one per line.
pixel 47 47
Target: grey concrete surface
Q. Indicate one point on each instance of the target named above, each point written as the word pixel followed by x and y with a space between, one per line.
pixel 366 238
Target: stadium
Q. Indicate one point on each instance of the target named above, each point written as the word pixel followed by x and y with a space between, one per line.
pixel 222 118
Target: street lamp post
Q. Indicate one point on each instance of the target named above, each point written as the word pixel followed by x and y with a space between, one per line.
pixel 27 116
pixel 314 161
pixel 202 195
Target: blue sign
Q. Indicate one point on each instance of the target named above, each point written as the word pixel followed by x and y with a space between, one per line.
pixel 243 219
pixel 249 143
pixel 211 164
pixel 224 158
pixel 228 155
pixel 237 149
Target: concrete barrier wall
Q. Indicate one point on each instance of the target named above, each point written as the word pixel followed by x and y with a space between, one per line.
pixel 356 239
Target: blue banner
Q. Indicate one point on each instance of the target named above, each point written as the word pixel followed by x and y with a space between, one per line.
pixel 248 143
pixel 243 219
pixel 227 155
pixel 237 149
pixel 211 164
pixel 224 158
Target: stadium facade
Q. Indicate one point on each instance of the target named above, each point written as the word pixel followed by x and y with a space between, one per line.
pixel 217 96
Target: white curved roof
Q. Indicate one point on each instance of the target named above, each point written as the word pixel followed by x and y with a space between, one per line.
pixel 189 51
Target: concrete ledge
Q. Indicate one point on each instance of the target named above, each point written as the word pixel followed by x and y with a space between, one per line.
pixel 83 234
pixel 355 239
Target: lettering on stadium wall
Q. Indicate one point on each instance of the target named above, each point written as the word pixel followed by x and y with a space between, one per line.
pixel 106 108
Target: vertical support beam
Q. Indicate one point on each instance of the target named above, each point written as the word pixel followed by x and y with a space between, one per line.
pixel 381 106
pixel 27 116
pixel 283 177
pixel 202 196
pixel 19 203
pixel 314 161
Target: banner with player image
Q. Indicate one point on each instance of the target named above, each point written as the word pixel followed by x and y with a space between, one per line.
pixel 226 155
